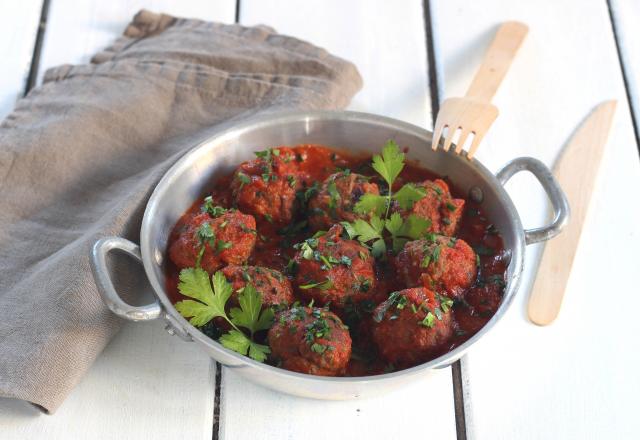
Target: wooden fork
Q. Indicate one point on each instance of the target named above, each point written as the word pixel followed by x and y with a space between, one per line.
pixel 474 113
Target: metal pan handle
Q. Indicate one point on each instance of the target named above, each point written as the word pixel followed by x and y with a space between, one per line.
pixel 105 286
pixel 551 187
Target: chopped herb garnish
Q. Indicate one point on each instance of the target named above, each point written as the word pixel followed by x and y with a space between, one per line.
pixel 243 178
pixel 223 245
pixel 322 285
pixel 318 348
pixel 429 320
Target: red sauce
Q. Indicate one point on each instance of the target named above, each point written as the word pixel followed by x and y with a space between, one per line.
pixel 274 250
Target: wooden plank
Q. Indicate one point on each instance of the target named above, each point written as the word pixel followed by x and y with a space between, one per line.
pixel 18 27
pixel 99 22
pixel 146 384
pixel 578 377
pixel 387 43
pixel 625 15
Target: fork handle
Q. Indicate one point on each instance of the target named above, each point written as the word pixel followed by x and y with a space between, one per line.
pixel 497 60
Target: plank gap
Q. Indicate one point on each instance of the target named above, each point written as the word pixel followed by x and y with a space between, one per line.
pixel 431 62
pixel 624 77
pixel 458 401
pixel 216 403
pixel 37 48
pixel 456 370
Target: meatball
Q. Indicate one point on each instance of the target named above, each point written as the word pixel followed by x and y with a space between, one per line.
pixel 337 197
pixel 211 242
pixel 412 326
pixel 437 206
pixel 444 264
pixel 310 340
pixel 274 287
pixel 266 187
pixel 331 269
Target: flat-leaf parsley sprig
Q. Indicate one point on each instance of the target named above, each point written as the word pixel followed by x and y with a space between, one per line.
pixel 388 165
pixel 209 302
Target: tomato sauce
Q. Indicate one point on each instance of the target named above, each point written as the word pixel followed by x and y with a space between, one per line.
pixel 274 249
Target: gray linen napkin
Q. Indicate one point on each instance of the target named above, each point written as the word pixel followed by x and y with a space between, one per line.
pixel 80 155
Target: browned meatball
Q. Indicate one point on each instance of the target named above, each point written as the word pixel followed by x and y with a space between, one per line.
pixel 331 269
pixel 274 287
pixel 444 264
pixel 438 207
pixel 212 242
pixel 412 326
pixel 266 187
pixel 337 197
pixel 310 340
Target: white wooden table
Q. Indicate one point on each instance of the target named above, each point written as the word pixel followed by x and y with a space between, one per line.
pixel 575 379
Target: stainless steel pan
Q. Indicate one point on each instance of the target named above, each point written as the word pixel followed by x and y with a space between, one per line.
pixel 189 179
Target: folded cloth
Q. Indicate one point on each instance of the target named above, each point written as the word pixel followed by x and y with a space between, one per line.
pixel 80 155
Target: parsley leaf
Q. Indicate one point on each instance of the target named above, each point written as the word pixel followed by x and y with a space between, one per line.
pixel 401 231
pixel 390 163
pixel 250 314
pixel 408 195
pixel 195 283
pixel 416 227
pixel 371 203
pixel 394 224
pixel 366 231
pixel 237 341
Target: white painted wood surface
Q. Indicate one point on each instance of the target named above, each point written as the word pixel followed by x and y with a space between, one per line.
pixel 387 43
pixel 578 378
pixel 100 22
pixel 385 40
pixel 18 28
pixel 575 379
pixel 625 14
pixel 146 384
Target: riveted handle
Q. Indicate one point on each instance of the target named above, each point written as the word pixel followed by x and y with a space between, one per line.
pixel 551 187
pixel 105 286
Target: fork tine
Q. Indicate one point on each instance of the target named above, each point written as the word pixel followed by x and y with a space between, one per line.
pixel 464 134
pixel 436 135
pixel 449 138
pixel 475 144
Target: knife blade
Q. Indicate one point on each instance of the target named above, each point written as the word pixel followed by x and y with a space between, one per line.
pixel 576 171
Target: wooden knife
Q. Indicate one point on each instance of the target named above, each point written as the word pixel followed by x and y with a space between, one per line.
pixel 576 171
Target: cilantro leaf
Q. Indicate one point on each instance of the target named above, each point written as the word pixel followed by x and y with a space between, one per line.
pixel 250 314
pixel 390 163
pixel 195 283
pixel 408 195
pixel 371 203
